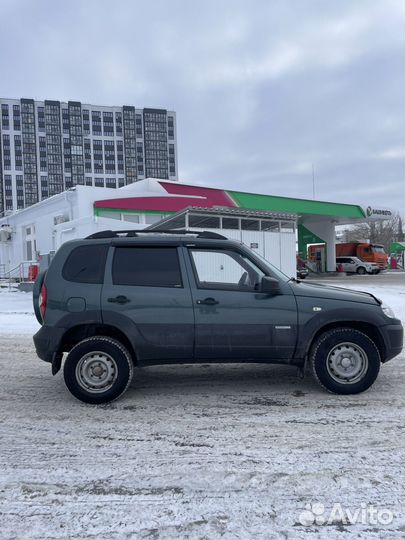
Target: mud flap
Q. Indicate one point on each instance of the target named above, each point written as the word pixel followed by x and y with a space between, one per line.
pixel 56 362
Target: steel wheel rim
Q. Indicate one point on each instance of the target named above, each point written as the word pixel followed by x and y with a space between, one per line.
pixel 347 363
pixel 96 372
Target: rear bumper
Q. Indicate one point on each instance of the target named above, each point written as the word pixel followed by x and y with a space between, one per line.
pixel 393 336
pixel 47 342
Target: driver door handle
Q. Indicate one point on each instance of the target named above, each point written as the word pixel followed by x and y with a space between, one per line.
pixel 207 302
pixel 119 300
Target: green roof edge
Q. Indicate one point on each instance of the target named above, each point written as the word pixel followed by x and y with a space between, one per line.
pixel 297 206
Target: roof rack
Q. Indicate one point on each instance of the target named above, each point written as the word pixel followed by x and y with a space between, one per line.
pixel 128 233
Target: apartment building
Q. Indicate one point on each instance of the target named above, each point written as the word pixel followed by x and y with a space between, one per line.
pixel 47 147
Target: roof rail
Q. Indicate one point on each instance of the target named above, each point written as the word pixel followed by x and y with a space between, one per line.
pixel 136 233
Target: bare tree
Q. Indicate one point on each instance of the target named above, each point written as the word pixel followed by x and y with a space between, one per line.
pixel 400 233
pixel 377 232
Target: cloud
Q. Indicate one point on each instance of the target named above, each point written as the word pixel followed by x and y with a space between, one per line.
pixel 262 90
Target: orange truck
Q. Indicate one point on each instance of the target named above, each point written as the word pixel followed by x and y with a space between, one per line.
pixel 362 250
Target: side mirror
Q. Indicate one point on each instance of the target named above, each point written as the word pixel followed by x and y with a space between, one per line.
pixel 269 285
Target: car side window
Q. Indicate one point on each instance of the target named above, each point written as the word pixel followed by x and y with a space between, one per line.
pixel 85 264
pixel 223 269
pixel 146 267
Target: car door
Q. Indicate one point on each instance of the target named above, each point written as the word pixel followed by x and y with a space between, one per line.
pixel 351 265
pixel 146 294
pixel 233 319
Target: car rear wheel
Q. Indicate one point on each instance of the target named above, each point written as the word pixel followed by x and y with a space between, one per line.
pixel 361 270
pixel 98 370
pixel 345 361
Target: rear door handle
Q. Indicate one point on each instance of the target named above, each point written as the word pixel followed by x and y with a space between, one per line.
pixel 207 302
pixel 119 300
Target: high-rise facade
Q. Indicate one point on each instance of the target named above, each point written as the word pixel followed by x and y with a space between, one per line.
pixel 49 146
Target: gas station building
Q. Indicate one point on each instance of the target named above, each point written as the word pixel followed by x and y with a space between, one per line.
pixel 276 227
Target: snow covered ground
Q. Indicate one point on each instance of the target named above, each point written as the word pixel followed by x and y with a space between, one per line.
pixel 226 451
pixel 16 312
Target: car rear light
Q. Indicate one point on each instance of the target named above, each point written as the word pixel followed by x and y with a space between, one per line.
pixel 43 297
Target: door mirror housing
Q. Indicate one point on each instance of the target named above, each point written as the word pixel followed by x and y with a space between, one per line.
pixel 269 285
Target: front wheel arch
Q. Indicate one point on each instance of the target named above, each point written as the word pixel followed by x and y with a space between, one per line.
pixel 370 330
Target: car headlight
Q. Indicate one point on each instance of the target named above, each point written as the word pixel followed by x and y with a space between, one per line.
pixel 388 311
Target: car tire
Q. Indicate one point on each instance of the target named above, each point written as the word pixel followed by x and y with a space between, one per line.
pixel 98 370
pixel 361 270
pixel 345 361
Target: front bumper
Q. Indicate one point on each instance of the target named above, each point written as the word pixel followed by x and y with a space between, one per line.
pixel 393 336
pixel 47 342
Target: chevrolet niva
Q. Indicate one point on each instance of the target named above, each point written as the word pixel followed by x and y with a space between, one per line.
pixel 116 300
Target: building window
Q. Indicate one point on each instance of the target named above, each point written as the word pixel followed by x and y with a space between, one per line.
pixel 41 118
pixel 108 124
pixel 250 224
pixel 5 119
pixel 132 218
pixel 30 243
pixel 230 223
pixel 16 118
pixel 86 122
pixel 118 123
pixel 110 183
pixel 96 122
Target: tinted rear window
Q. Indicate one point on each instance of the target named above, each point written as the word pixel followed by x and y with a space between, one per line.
pixel 86 264
pixel 146 267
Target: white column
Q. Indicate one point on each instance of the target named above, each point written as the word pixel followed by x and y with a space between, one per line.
pixel 326 231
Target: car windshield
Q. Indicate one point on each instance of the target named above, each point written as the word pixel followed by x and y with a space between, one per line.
pixel 278 273
pixel 378 249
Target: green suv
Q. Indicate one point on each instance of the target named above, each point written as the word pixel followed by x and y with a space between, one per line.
pixel 116 300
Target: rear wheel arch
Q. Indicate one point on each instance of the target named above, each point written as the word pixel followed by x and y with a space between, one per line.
pixel 80 332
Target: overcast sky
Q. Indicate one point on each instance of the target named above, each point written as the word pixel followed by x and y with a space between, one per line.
pixel 263 89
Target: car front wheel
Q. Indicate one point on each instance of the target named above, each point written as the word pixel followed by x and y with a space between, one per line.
pixel 98 370
pixel 361 270
pixel 345 361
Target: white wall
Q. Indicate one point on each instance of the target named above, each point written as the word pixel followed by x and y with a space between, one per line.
pixel 279 248
pixel 76 207
pixel 39 216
